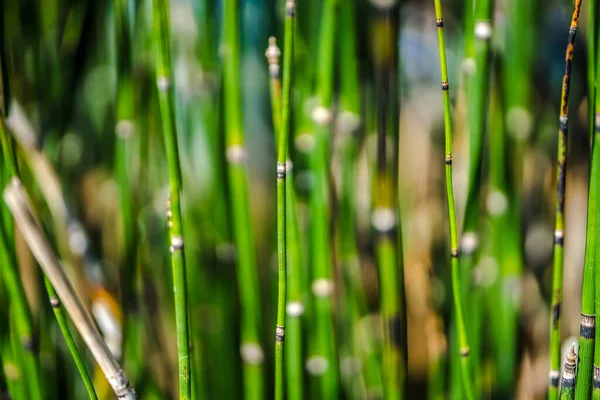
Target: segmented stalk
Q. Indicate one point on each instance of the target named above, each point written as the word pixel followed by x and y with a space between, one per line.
pixel 61 318
pixel 282 154
pixel 456 279
pixel 585 350
pixel 247 278
pixel 567 389
pixel 594 197
pixel 323 353
pixel 167 112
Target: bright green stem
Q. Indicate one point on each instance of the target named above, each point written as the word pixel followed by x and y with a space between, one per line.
pixel 247 277
pixel 323 342
pixel 61 318
pixel 594 177
pixel 282 154
pixel 167 111
pixel 456 282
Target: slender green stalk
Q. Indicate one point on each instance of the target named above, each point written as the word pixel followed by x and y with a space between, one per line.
pixel 61 318
pixel 594 190
pixel 167 111
pixel 282 155
pixel 592 30
pixel 251 350
pixel 586 351
pixel 361 347
pixel 478 86
pixel 567 389
pixel 125 151
pixel 323 354
pixel 456 281
pixel 385 214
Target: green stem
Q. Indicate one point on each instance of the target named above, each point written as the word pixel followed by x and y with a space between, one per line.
pixel 167 111
pixel 456 283
pixel 567 389
pixel 247 276
pixel 282 155
pixel 324 352
pixel 61 318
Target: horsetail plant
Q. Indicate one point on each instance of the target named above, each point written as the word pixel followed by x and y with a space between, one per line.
pixel 247 279
pixel 160 13
pixel 587 319
pixel 294 307
pixel 567 388
pixel 18 203
pixel 323 354
pixel 63 324
pixel 282 156
pixel 385 215
pixel 593 225
pixel 463 342
pixel 21 313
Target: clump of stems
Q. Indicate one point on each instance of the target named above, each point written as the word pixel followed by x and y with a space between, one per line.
pixel 456 284
pixel 167 112
pixel 18 203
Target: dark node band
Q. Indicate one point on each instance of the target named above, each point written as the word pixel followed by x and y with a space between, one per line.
pixel 445 85
pixel 449 159
pixel 559 241
pixel 281 169
pixel 587 328
pixel 563 123
pixel 554 381
pixel 454 253
pixel 439 22
pixel 54 302
pixel 555 315
pixel 396 331
pixel 568 383
pixel 279 333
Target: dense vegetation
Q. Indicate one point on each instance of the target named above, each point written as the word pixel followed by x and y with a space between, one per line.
pixel 314 199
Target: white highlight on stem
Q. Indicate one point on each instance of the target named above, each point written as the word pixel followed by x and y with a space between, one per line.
pixel 496 203
pixel 294 309
pixel 469 66
pixel 176 243
pixel 469 242
pixel 383 219
pixel 483 30
pixel 163 83
pixel 124 129
pixel 236 154
pixel 252 353
pixel 558 234
pixel 519 123
pixel 348 122
pixel 322 287
pixel 317 365
pixel 383 4
pixel 305 142
pixel 78 242
pixel 321 116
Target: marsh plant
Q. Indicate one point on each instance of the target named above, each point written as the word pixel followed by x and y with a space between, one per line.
pixel 299 199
